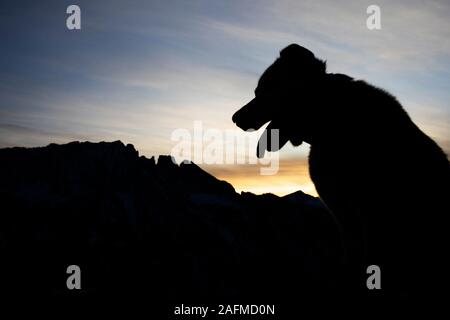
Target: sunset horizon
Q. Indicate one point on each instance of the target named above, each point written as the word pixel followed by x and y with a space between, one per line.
pixel 154 68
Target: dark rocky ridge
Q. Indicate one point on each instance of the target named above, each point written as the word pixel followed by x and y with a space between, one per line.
pixel 140 227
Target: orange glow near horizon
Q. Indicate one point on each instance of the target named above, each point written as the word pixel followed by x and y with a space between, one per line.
pixel 292 176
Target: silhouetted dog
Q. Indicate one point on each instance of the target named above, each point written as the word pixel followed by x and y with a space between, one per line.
pixel 386 182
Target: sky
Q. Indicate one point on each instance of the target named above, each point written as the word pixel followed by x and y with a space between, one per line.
pixel 139 70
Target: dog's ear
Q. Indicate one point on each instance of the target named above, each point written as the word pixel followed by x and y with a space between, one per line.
pixel 298 56
pixel 296 53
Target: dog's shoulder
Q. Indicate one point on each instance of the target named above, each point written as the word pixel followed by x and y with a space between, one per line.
pixel 339 77
pixel 338 81
pixel 359 90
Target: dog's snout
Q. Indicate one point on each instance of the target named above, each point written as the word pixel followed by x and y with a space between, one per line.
pixel 234 118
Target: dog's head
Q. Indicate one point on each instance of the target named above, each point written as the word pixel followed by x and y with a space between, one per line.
pixel 283 96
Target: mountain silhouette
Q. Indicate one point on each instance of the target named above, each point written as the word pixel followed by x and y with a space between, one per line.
pixel 140 227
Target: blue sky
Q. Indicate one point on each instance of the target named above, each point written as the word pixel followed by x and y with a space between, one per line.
pixel 137 70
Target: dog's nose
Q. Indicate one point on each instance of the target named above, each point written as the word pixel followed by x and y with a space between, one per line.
pixel 234 118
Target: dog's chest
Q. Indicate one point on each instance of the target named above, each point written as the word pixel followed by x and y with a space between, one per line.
pixel 329 171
